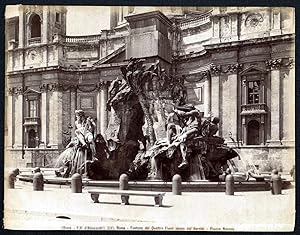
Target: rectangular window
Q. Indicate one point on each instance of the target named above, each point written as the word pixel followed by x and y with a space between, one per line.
pixel 33 108
pixel 253 92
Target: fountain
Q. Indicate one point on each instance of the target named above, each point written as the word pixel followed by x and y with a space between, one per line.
pixel 152 135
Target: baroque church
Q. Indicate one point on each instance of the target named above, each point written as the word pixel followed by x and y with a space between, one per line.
pixel 237 64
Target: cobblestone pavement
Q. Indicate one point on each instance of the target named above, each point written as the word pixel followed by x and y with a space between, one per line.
pixel 58 208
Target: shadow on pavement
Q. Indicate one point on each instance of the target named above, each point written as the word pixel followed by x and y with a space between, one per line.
pixel 131 204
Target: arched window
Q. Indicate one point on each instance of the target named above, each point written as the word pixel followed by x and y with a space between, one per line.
pixel 35 30
pixel 253 133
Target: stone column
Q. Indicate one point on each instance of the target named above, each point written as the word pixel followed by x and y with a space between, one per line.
pixel 44 38
pixel 274 65
pixel 44 115
pixel 207 97
pixel 18 120
pixel 103 111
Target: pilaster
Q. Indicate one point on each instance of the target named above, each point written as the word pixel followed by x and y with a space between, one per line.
pixel 55 110
pixel 230 102
pixel 215 90
pixel 207 97
pixel 44 114
pixel 73 99
pixel 21 27
pixel 274 66
pixel 275 22
pixel 44 25
pixel 18 119
pixel 10 119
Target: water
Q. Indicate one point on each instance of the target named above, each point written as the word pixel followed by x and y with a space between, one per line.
pixel 245 162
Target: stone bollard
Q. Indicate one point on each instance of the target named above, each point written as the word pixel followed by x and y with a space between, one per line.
pixel 123 182
pixel 229 183
pixel 38 182
pixel 76 183
pixel 16 171
pixel 276 183
pixel 37 169
pixel 176 184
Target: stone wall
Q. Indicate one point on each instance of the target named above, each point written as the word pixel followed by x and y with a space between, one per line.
pixel 31 157
pixel 266 158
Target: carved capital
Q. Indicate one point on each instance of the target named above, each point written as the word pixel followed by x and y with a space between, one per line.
pixel 72 88
pixel 290 63
pixel 205 74
pixel 215 69
pixel 55 87
pixel 273 64
pixel 244 82
pixel 11 91
pixel 100 86
pixel 233 68
pixel 44 88
pixel 20 90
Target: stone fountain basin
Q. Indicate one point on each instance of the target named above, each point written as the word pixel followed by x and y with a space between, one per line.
pixel 191 186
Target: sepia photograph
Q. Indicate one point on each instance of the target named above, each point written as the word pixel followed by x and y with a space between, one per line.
pixel 149 118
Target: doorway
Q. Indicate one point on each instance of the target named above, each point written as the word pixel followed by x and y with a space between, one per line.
pixel 31 138
pixel 253 133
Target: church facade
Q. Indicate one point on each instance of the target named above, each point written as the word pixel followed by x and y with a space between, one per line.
pixel 237 64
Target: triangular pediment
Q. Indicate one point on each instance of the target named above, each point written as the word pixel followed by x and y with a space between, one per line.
pixel 252 70
pixel 114 57
pixel 31 92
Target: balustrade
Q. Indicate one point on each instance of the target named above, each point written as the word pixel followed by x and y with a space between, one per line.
pixel 200 20
pixel 32 41
pixel 82 39
pixel 32 120
pixel 254 108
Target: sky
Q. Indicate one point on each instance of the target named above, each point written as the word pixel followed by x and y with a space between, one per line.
pixel 81 20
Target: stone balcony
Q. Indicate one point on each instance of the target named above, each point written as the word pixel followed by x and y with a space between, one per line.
pixel 249 109
pixel 31 121
pixel 33 41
